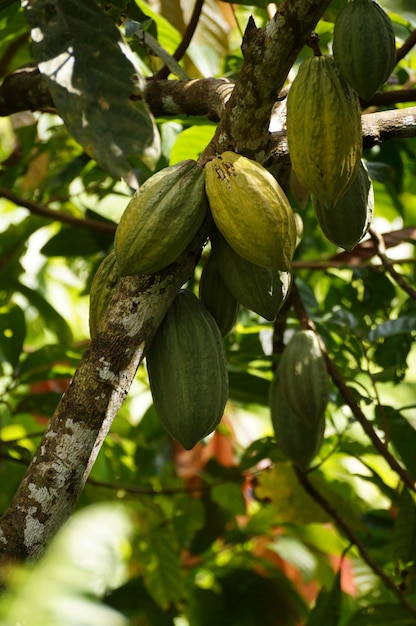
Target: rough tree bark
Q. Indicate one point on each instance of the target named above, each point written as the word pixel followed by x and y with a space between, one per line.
pixel 57 474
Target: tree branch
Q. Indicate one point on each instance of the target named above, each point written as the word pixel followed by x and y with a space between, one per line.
pixel 57 216
pixel 58 472
pixel 343 526
pixel 72 440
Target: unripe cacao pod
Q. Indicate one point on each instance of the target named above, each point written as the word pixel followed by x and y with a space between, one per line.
pixel 260 289
pixel 303 377
pixel 187 371
pixel 251 210
pixel 102 289
pixel 364 46
pixel 217 298
pixel 347 220
pixel 161 219
pixel 323 128
pixel 299 441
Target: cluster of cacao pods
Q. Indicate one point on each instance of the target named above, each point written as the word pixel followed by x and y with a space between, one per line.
pixel 324 119
pixel 252 244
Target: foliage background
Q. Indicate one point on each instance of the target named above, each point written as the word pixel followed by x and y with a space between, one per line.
pixel 226 533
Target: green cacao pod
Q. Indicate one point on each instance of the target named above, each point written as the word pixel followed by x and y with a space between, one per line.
pixel 217 298
pixel 347 220
pixel 251 210
pixel 303 377
pixel 260 289
pixel 187 371
pixel 161 219
pixel 102 289
pixel 364 46
pixel 299 441
pixel 323 128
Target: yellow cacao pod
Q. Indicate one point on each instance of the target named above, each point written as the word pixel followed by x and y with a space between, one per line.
pixel 364 46
pixel 102 289
pixel 251 210
pixel 323 128
pixel 260 289
pixel 187 371
pixel 347 220
pixel 161 219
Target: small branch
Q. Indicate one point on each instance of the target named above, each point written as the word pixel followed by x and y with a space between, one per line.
pixel 183 46
pixel 406 47
pixel 365 555
pixel 349 398
pixel 57 216
pixel 207 97
pixel 381 253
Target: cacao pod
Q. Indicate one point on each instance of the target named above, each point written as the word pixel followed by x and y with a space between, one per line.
pixel 251 210
pixel 347 220
pixel 216 297
pixel 102 289
pixel 323 128
pixel 260 289
pixel 364 46
pixel 187 371
pixel 303 377
pixel 299 441
pixel 161 219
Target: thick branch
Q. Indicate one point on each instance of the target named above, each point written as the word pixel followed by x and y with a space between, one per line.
pixel 269 54
pixel 58 472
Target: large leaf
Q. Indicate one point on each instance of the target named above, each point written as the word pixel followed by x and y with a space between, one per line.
pixel 382 615
pixel 12 334
pixel 90 72
pixel 327 609
pixel 404 537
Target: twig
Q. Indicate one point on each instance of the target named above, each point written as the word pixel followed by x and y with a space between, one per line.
pixel 349 398
pixel 381 253
pixel 365 555
pixel 406 47
pixel 183 46
pixel 57 216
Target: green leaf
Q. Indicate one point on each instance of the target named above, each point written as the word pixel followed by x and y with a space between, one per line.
pixel 248 388
pixel 393 327
pixel 158 552
pixel 54 321
pixel 291 503
pixel 90 73
pixel 382 615
pixel 229 496
pixel 404 536
pixel 12 334
pixel 402 435
pixel 327 609
pixel 71 242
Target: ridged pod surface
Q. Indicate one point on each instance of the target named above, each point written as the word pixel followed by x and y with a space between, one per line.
pixel 161 219
pixel 299 441
pixel 303 377
pixel 216 297
pixel 102 289
pixel 364 46
pixel 251 210
pixel 347 221
pixel 187 371
pixel 260 289
pixel 323 128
